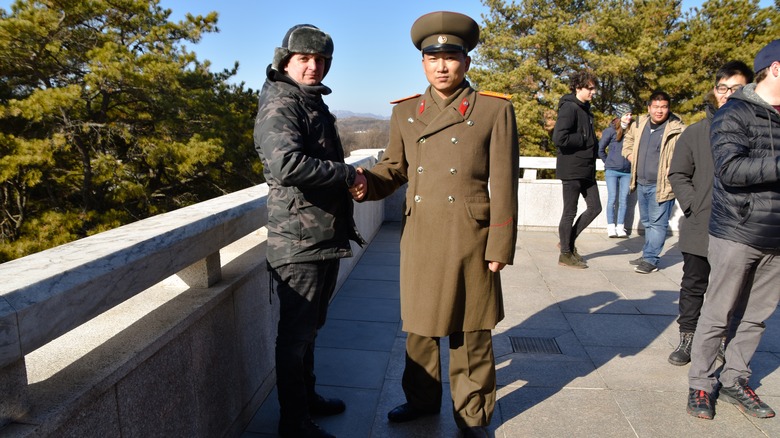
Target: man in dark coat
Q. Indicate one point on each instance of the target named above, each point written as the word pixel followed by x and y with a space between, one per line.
pixel 310 219
pixel 744 247
pixel 691 173
pixel 577 148
pixel 457 149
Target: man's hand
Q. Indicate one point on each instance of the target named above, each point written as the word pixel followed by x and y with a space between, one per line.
pixel 496 266
pixel 358 189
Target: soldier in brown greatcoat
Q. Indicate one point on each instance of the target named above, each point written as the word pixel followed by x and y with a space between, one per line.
pixel 457 149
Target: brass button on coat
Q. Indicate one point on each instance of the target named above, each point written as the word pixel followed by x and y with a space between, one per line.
pixel 417 198
pixel 454 140
pixel 451 199
pixel 420 169
pixel 453 171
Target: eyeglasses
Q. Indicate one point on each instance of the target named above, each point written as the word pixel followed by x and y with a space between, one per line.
pixel 723 88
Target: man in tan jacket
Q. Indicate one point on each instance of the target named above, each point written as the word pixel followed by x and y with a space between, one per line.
pixel 457 150
pixel 649 145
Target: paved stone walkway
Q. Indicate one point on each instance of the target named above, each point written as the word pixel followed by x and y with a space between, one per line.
pixel 614 329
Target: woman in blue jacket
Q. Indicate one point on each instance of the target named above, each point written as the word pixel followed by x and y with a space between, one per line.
pixel 618 170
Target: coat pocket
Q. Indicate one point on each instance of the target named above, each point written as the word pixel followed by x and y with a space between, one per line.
pixel 478 209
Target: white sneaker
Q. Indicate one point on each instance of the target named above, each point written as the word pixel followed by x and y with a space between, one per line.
pixel 621 231
pixel 611 232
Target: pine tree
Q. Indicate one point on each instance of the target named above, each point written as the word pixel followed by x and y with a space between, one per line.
pixel 106 118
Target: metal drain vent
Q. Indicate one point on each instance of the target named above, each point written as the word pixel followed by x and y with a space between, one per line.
pixel 535 345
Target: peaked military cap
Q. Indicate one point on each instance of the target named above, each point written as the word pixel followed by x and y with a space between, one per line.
pixel 445 31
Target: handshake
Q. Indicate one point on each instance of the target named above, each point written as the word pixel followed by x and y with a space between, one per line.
pixel 358 189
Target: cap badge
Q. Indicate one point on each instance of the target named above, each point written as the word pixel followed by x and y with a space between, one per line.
pixel 442 39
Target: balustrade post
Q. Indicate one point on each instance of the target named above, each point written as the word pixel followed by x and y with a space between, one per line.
pixel 14 402
pixel 203 273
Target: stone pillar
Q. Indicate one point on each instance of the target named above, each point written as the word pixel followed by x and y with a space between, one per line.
pixel 13 387
pixel 203 273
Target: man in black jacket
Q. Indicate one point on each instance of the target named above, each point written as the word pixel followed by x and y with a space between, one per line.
pixel 577 149
pixel 690 174
pixel 744 247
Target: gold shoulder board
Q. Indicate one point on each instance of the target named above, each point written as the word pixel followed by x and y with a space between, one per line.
pixel 406 98
pixel 494 94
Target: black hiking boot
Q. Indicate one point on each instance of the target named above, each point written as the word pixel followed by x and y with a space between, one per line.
pixel 682 354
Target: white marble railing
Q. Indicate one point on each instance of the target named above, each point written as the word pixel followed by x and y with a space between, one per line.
pixel 529 166
pixel 49 293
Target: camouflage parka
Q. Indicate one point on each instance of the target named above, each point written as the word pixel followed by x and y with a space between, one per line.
pixel 309 205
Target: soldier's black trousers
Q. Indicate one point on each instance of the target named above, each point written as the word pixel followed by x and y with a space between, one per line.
pixel 304 291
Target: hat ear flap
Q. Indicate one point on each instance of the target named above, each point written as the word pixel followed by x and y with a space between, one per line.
pixel 280 58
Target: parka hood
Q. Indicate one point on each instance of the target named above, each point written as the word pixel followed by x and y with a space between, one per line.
pixel 748 94
pixel 573 99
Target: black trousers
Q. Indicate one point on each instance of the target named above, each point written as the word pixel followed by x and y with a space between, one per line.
pixel 569 229
pixel 304 291
pixel 696 274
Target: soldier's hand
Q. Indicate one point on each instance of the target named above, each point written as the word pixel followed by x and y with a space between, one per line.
pixel 496 266
pixel 358 190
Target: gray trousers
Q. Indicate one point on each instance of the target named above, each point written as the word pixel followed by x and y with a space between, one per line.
pixel 741 277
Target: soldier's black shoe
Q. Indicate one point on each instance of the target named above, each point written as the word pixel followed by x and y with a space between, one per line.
pixel 322 406
pixel 407 412
pixel 746 400
pixel 682 354
pixel 302 429
pixel 700 404
pixel 475 432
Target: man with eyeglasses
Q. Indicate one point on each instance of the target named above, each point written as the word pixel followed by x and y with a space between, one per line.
pixel 691 174
pixel 649 144
pixel 577 148
pixel 744 244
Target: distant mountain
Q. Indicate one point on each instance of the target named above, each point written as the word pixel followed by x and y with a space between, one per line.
pixel 341 114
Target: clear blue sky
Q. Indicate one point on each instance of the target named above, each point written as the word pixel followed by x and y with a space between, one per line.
pixel 374 61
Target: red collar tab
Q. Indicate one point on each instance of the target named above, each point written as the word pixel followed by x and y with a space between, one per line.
pixel 422 106
pixel 464 105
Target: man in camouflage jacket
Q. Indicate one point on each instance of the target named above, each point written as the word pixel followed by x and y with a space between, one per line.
pixel 310 219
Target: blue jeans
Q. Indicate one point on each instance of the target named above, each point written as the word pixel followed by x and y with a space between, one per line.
pixel 655 219
pixel 617 190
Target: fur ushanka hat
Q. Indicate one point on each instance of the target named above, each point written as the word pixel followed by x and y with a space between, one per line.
pixel 303 38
